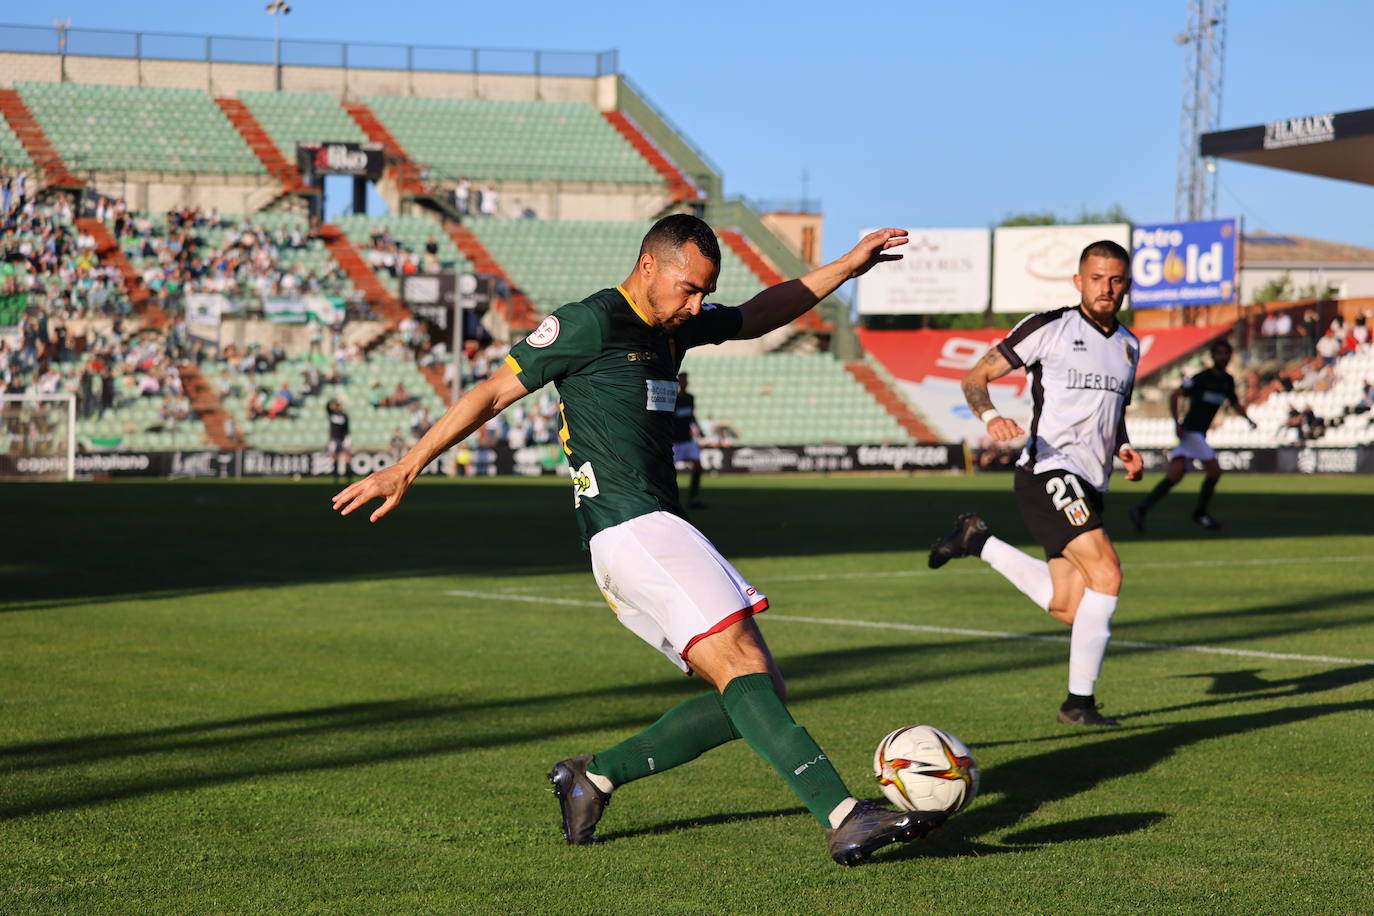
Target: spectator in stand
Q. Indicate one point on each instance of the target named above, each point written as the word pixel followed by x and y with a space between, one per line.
pixel 490 202
pixel 462 195
pixel 1328 348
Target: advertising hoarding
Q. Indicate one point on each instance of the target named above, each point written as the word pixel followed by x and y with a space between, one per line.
pixel 941 270
pixel 1175 264
pixel 1033 266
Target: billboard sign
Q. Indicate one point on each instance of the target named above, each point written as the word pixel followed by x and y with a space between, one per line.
pixel 1176 264
pixel 361 160
pixel 1033 266
pixel 941 270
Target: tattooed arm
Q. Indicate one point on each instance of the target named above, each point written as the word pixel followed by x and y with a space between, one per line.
pixel 993 365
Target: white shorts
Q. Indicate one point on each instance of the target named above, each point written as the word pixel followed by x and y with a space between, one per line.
pixel 668 584
pixel 686 451
pixel 336 446
pixel 1193 446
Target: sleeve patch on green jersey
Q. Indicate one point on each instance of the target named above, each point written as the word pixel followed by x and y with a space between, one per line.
pixel 545 334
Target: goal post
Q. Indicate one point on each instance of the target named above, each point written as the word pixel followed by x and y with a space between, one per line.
pixel 38 436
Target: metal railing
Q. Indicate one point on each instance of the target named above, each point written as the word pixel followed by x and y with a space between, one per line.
pixel 292 52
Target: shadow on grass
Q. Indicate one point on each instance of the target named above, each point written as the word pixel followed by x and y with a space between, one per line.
pixel 80 542
pixel 1027 783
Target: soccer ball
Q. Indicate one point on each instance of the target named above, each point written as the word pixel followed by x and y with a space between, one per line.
pixel 922 768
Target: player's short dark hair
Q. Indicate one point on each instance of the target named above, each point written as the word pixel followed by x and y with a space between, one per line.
pixel 1105 248
pixel 1221 342
pixel 673 232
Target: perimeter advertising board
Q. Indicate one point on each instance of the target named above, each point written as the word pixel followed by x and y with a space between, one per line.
pixel 1176 264
pixel 1033 266
pixel 941 270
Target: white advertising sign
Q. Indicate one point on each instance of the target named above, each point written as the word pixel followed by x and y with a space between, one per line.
pixel 941 270
pixel 1033 266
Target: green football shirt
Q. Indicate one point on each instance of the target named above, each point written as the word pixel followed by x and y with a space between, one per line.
pixel 616 375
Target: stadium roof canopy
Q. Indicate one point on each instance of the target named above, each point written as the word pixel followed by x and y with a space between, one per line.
pixel 1331 145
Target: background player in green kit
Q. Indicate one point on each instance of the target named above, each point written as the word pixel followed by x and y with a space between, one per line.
pixel 614 357
pixel 1206 392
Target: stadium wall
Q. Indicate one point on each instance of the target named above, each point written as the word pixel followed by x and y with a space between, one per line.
pixel 227 79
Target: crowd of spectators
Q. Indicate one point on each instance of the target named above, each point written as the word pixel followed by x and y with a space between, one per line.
pixel 50 269
pixel 195 250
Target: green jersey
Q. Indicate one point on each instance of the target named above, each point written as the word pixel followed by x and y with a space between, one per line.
pixel 616 375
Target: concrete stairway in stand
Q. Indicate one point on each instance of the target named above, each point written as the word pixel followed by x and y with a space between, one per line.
pixel 206 403
pixel 383 303
pixel 262 146
pixel 891 402
pixel 405 172
pixel 109 252
pixel 769 276
pixel 678 184
pixel 519 310
pixel 36 142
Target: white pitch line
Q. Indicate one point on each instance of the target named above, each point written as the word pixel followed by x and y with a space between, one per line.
pixel 1181 564
pixel 948 631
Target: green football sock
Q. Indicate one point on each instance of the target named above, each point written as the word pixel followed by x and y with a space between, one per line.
pixel 769 729
pixel 683 733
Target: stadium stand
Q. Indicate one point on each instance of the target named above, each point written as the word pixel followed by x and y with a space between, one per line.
pixel 496 140
pixel 292 117
pixel 560 261
pixel 787 399
pixel 95 127
pixel 12 151
pixel 394 245
pixel 1310 404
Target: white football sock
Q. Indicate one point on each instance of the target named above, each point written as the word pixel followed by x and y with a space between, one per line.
pixel 1028 574
pixel 601 782
pixel 841 811
pixel 1092 630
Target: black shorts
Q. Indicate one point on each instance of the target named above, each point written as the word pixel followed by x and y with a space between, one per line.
pixel 1058 506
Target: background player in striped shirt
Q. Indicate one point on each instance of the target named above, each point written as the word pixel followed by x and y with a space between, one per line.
pixel 1206 392
pixel 1081 362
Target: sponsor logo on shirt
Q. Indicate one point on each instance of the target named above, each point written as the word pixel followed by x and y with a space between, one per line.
pixel 640 357
pixel 1096 381
pixel 662 394
pixel 545 334
pixel 1079 346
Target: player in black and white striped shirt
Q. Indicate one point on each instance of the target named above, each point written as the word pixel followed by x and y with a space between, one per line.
pixel 1082 363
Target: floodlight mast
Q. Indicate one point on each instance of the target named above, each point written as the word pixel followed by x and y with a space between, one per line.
pixel 277 9
pixel 1204 44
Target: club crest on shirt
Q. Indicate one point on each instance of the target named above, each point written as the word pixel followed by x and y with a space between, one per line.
pixel 1077 513
pixel 545 334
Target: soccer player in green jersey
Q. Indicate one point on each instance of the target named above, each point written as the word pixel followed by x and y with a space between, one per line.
pixel 1206 392
pixel 615 357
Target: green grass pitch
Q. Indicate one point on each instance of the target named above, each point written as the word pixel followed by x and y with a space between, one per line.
pixel 220 698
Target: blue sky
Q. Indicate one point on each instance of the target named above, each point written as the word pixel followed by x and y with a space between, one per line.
pixel 916 114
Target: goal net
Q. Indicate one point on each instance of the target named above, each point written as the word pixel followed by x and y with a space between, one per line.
pixel 38 436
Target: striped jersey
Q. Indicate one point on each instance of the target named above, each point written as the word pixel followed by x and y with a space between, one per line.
pixel 1081 379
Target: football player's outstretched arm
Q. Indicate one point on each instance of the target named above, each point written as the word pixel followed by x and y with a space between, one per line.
pixel 1240 409
pixel 465 417
pixel 1174 399
pixel 789 300
pixel 992 366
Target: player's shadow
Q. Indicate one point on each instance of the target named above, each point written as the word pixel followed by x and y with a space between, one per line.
pixel 695 823
pixel 1022 786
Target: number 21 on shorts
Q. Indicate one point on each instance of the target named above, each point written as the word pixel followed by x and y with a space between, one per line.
pixel 1074 506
